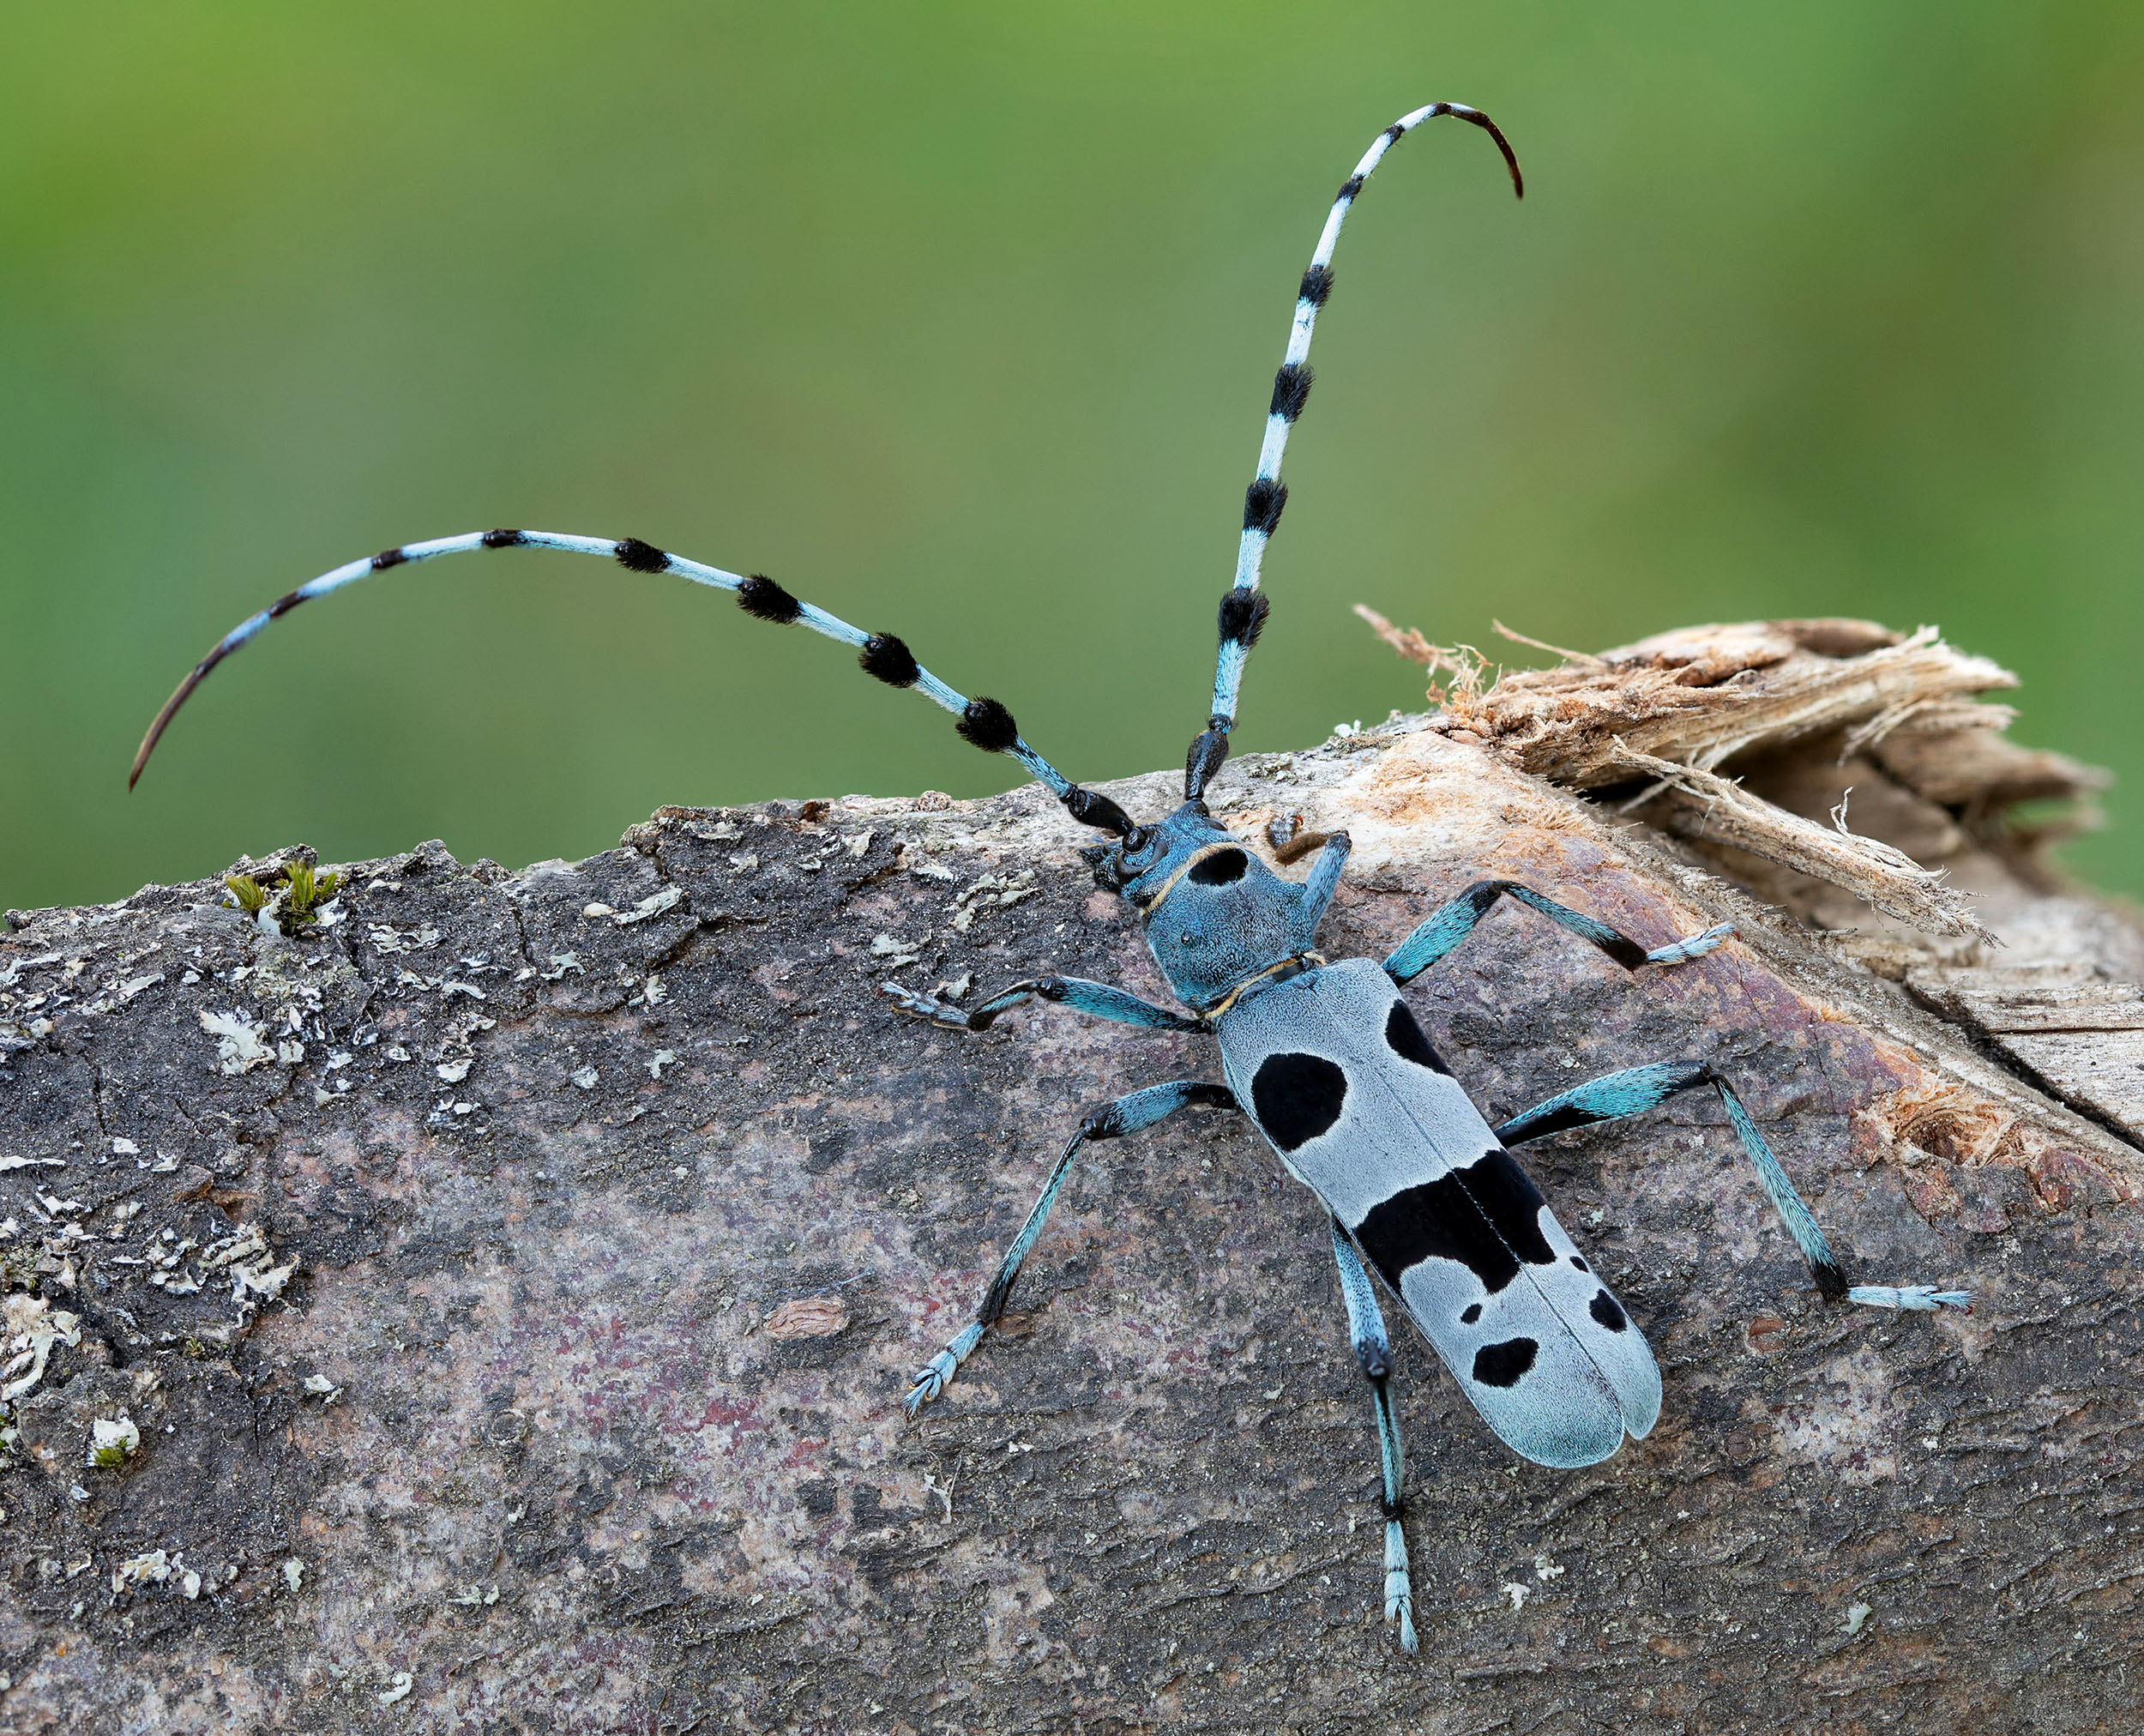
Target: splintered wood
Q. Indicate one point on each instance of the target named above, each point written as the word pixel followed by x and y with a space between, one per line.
pixel 1702 726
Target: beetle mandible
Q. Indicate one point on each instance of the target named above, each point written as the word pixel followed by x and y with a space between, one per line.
pixel 1324 1057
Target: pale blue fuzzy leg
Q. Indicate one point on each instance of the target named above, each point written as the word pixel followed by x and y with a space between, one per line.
pixel 1399 1588
pixel 1129 1113
pixel 942 1368
pixel 1801 1223
pixel 1317 890
pixel 1373 1353
pixel 1696 946
pixel 1923 1298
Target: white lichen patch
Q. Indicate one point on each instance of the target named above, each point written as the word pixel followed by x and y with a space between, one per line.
pixel 992 891
pixel 894 951
pixel 152 1569
pixel 112 1442
pixel 648 907
pixel 248 1261
pixel 239 1044
pixel 33 1327
pixel 386 938
pixel 293 1573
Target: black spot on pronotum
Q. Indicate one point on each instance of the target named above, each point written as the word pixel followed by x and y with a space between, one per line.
pixel 1298 1097
pixel 1503 1364
pixel 637 556
pixel 1221 868
pixel 1263 503
pixel 1405 1038
pixel 1471 1313
pixel 1242 617
pixel 501 538
pixel 1580 1263
pixel 987 725
pixel 388 557
pixel 1607 1309
pixel 1317 283
pixel 760 596
pixel 1291 390
pixel 1350 187
pixel 889 660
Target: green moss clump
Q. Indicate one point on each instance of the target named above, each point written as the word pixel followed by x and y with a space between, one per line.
pixel 303 894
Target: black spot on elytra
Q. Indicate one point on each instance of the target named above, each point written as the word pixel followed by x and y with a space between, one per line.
pixel 1507 1194
pixel 1405 1038
pixel 1221 868
pixel 1471 1313
pixel 638 557
pixel 1298 1097
pixel 1580 1263
pixel 1486 1216
pixel 1435 1220
pixel 761 597
pixel 1607 1309
pixel 1502 1364
pixel 989 725
pixel 889 660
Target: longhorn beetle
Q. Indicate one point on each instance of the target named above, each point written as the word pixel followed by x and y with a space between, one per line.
pixel 1323 1057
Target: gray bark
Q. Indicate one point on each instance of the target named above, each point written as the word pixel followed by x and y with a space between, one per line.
pixel 560 1273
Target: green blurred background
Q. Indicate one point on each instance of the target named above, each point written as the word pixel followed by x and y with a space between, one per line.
pixel 960 321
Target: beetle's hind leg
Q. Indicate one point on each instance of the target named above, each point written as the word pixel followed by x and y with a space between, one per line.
pixel 1128 1114
pixel 1636 1088
pixel 1373 1355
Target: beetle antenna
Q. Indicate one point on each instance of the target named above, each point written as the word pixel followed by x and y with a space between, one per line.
pixel 983 722
pixel 1243 608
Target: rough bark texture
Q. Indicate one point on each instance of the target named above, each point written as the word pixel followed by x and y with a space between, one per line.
pixel 564 1241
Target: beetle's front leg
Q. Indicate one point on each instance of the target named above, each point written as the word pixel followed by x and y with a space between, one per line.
pixel 1097 1000
pixel 1128 1114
